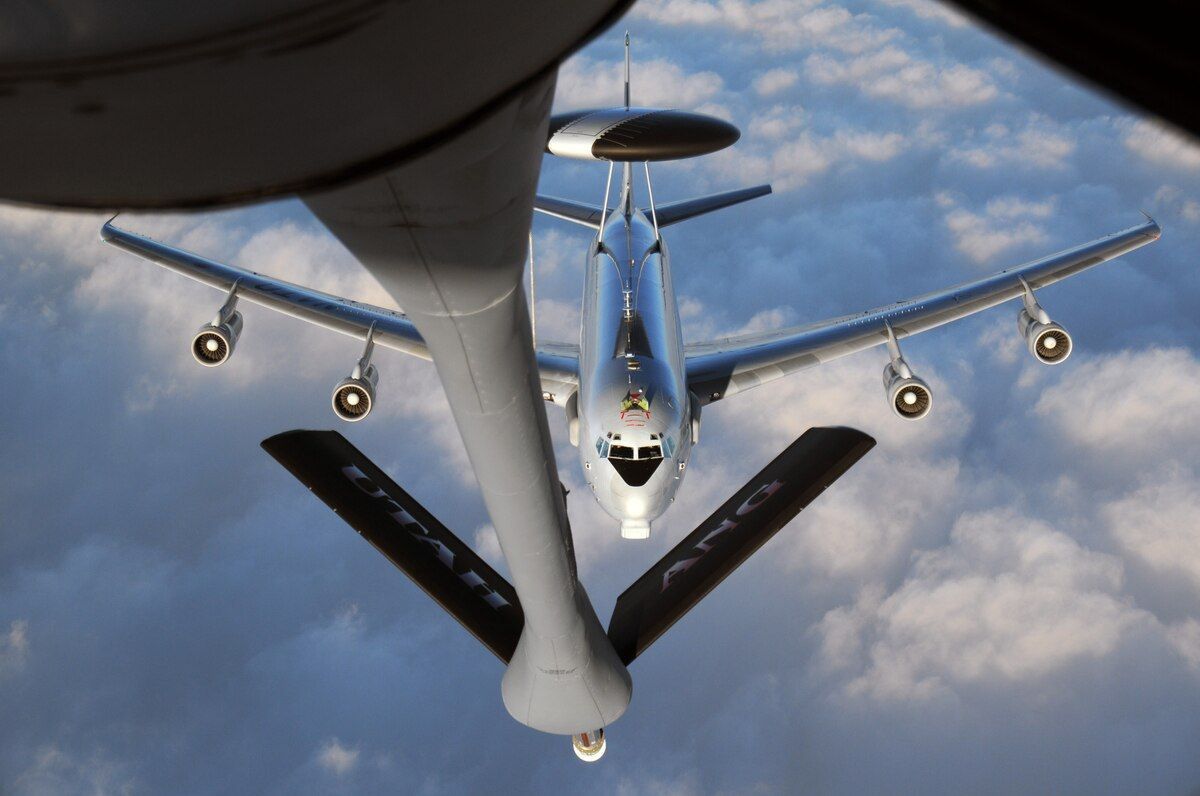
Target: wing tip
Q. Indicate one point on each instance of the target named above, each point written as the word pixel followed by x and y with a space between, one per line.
pixel 1154 229
pixel 107 231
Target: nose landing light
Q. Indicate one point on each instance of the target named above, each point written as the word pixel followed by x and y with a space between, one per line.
pixel 635 529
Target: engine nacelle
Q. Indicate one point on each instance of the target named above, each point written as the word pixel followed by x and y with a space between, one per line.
pixel 1047 341
pixel 214 342
pixel 354 396
pixel 910 397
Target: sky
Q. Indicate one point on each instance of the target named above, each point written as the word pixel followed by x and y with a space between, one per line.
pixel 1002 598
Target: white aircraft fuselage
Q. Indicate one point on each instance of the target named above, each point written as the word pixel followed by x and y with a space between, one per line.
pixel 635 430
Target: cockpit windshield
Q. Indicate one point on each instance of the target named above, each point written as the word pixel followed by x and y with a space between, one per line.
pixel 635 465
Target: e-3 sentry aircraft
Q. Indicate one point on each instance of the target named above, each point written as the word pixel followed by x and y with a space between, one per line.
pixel 633 392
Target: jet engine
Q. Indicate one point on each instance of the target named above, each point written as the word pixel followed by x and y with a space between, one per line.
pixel 354 396
pixel 214 342
pixel 909 396
pixel 1046 340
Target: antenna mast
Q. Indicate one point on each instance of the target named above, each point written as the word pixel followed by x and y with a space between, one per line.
pixel 627 70
pixel 627 167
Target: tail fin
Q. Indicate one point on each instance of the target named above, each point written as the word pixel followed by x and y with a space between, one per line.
pixel 409 536
pixel 770 500
pixel 675 212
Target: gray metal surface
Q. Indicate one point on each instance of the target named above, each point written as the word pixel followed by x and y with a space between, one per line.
pixel 558 363
pixel 121 103
pixel 446 235
pixel 634 351
pixel 725 367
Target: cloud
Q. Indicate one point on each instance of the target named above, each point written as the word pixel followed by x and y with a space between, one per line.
pixel 779 24
pixel 932 10
pixel 776 123
pixel 1003 593
pixel 1007 222
pixel 54 771
pixel 1010 599
pixel 1161 145
pixel 14 647
pixel 336 758
pixel 1157 524
pixel 774 81
pixel 895 75
pixel 1135 405
pixel 1040 145
pixel 584 82
pixel 793 161
pixel 1171 199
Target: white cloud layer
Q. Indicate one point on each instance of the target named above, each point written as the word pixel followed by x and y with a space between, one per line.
pixel 1159 524
pixel 14 647
pixel 1010 599
pixel 895 75
pixel 1041 144
pixel 1007 222
pixel 337 758
pixel 656 82
pixel 1134 406
pixel 795 155
pixel 781 25
pixel 1162 145
pixel 932 10
pixel 774 81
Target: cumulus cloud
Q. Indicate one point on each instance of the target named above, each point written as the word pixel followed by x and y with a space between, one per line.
pixel 776 123
pixel 56 771
pixel 945 618
pixel 1171 199
pixel 932 10
pixel 1006 222
pixel 14 647
pixel 895 75
pixel 1158 525
pixel 774 81
pixel 336 758
pixel 801 155
pixel 1161 144
pixel 1131 404
pixel 1010 599
pixel 781 25
pixel 1041 144
pixel 584 83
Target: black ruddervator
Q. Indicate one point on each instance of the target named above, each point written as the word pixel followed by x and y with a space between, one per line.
pixel 450 572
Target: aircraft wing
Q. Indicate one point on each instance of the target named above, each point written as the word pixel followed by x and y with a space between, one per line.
pixel 725 367
pixel 558 363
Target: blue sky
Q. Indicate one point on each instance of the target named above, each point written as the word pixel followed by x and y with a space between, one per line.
pixel 1005 597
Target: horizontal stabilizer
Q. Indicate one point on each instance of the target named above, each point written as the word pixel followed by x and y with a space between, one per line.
pixel 580 213
pixel 675 212
pixel 410 537
pixel 770 500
